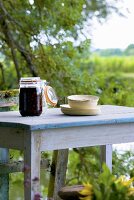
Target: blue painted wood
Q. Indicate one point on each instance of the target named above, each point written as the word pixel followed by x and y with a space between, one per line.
pixel 4 178
pixel 53 118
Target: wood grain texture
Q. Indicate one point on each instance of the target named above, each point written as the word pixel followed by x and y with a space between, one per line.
pixel 60 174
pixel 55 131
pixel 18 166
pixel 71 192
pixel 52 175
pixel 106 155
pixel 4 178
pixel 53 118
pixel 32 157
pixel 87 136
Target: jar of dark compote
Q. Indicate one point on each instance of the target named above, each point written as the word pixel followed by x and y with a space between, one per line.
pixel 30 96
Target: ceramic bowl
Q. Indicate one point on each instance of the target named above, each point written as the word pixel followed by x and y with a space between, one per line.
pixel 83 101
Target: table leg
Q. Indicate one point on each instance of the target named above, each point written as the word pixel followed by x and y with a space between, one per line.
pixel 106 155
pixel 60 173
pixel 4 178
pixel 32 157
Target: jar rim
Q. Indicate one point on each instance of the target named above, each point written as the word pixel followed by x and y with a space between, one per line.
pixel 30 80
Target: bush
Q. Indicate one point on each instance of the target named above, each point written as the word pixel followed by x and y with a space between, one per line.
pixel 108 187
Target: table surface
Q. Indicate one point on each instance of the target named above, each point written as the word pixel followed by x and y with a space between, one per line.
pixel 54 118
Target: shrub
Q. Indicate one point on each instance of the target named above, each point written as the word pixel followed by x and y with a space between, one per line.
pixel 109 187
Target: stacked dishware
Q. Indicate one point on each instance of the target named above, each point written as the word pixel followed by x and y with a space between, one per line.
pixel 81 105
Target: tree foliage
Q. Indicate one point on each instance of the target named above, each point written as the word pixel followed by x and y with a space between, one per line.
pixel 129 51
pixel 109 187
pixel 43 38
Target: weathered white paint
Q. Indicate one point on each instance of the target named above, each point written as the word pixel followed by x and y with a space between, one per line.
pixel 4 178
pixel 53 130
pixel 53 118
pixel 86 136
pixel 60 173
pixel 106 155
pixel 32 159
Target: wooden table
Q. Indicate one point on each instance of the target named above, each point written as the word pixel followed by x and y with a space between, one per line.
pixel 54 130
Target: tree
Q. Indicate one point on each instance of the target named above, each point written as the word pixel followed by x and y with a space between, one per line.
pixel 109 52
pixel 40 37
pixel 129 51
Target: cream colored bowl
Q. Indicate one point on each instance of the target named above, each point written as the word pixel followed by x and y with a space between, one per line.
pixel 83 101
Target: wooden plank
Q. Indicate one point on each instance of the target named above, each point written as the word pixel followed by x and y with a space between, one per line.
pixel 61 168
pixel 86 136
pixel 58 172
pixel 72 192
pixel 52 175
pixel 4 158
pixel 18 166
pixel 53 118
pixel 106 155
pixel 8 104
pixel 32 157
pixel 15 138
pixel 4 178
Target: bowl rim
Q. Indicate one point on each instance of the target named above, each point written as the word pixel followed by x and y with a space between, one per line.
pixel 93 98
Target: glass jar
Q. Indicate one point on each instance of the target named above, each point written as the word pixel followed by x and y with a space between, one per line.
pixel 44 103
pixel 30 96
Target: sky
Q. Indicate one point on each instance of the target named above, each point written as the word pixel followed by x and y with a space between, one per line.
pixel 117 32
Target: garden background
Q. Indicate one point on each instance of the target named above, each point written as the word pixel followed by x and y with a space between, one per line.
pixel 48 38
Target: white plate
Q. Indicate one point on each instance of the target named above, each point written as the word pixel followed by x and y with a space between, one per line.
pixel 66 109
